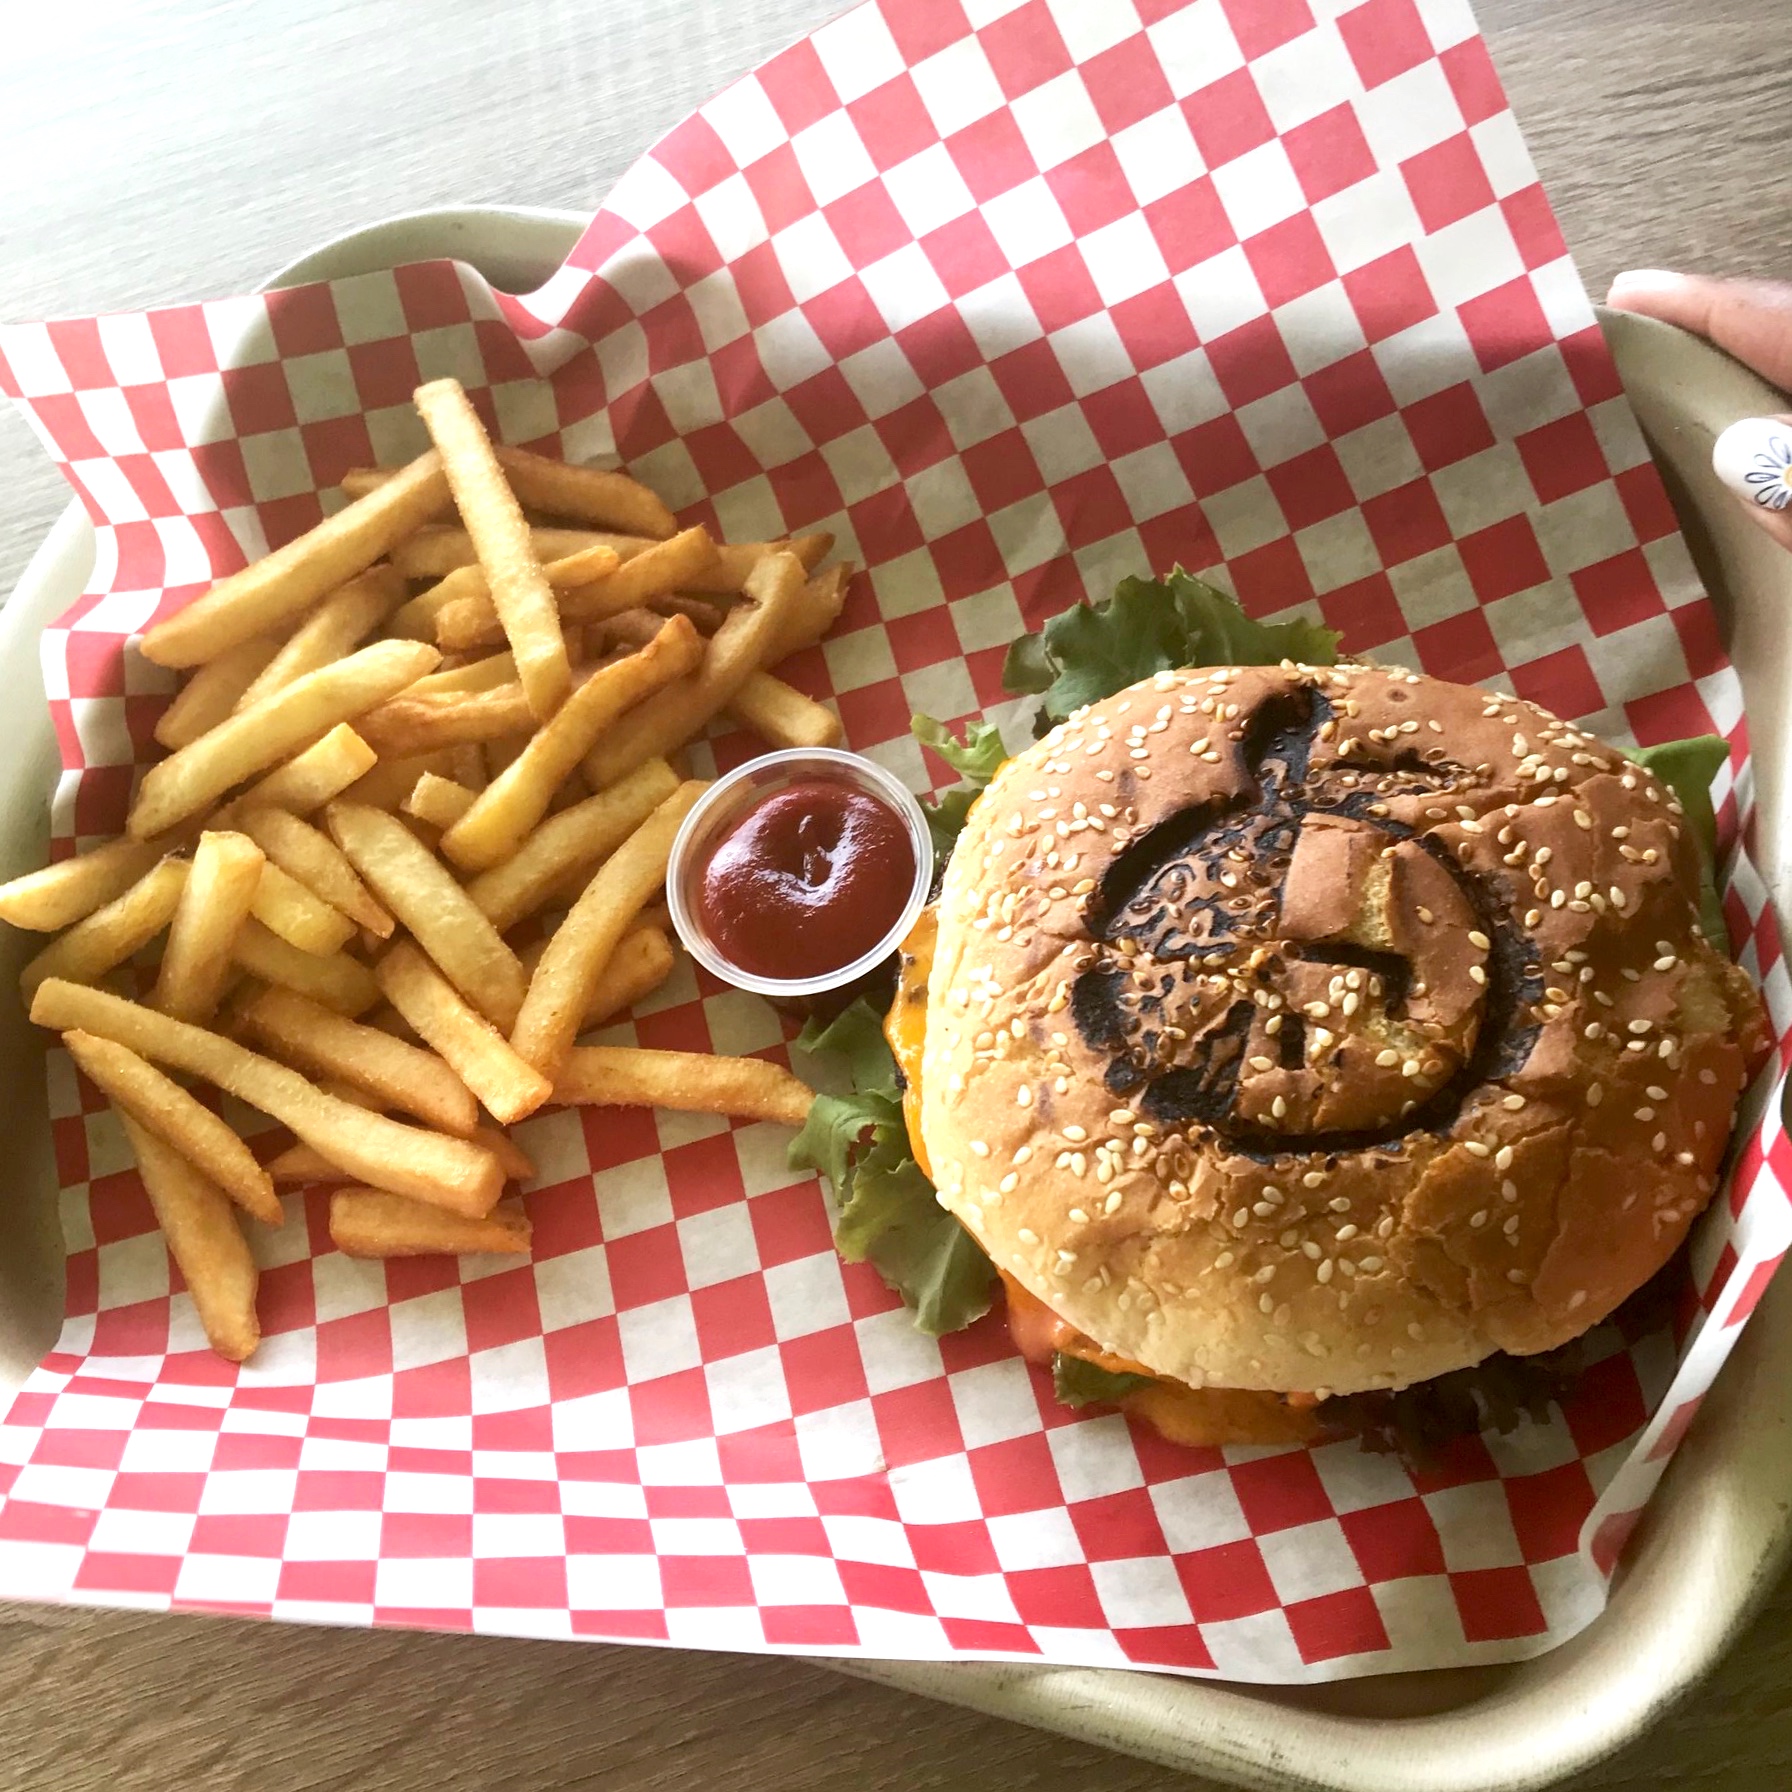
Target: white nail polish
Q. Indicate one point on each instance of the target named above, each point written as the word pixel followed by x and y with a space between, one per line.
pixel 1754 459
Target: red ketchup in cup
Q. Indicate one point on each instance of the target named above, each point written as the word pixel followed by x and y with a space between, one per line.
pixel 799 872
pixel 807 880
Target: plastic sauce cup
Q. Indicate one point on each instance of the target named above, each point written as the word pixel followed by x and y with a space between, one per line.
pixel 728 798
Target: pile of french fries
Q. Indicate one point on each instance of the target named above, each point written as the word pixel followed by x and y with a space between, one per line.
pixel 407 742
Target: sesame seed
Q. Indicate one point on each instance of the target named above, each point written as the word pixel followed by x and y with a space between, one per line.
pixel 1314 1179
pixel 1346 1234
pixel 979 1148
pixel 1476 974
pixel 1513 1103
pixel 1324 1272
pixel 1515 1275
pixel 1023 1096
pixel 1476 1148
pixel 1595 1094
pixel 1480 939
pixel 1112 1203
pixel 1009 1183
pixel 1027 1235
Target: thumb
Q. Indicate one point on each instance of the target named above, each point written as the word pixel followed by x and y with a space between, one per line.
pixel 1750 319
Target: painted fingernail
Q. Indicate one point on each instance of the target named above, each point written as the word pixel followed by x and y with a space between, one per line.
pixel 1754 459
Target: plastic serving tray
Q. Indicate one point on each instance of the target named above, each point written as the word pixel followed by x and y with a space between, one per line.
pixel 1716 1534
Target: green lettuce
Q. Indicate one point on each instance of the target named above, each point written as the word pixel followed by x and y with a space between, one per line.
pixel 1687 768
pixel 1078 1382
pixel 887 1213
pixel 1147 626
pixel 977 759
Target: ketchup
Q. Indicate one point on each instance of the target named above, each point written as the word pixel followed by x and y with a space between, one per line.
pixel 808 880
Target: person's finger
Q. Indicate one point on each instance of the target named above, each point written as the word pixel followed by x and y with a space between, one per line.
pixel 1751 319
pixel 1754 459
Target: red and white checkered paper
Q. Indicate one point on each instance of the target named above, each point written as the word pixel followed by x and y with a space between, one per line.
pixel 1016 299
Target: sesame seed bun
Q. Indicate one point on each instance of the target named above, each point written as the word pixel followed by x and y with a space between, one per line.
pixel 1322 1030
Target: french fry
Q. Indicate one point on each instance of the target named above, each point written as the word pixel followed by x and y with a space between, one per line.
pixel 707 614
pixel 668 566
pixel 312 1038
pixel 285 906
pixel 735 562
pixel 504 812
pixel 606 500
pixel 104 939
pixel 690 1082
pixel 330 978
pixel 570 843
pixel 392 780
pixel 367 1222
pixel 469 767
pixel 205 1241
pixel 439 801
pixel 418 618
pixel 500 754
pixel 293 577
pixel 642 961
pixel 782 716
pixel 518 1165
pixel 300 1163
pixel 478 1053
pixel 571 791
pixel 742 646
pixel 579 494
pixel 340 623
pixel 415 885
pixel 159 1104
pixel 407 1160
pixel 68 891
pixel 411 724
pixel 816 610
pixel 484 674
pixel 214 691
pixel 311 778
pixel 214 906
pixel 521 594
pixel 197 775
pixel 570 968
pixel 310 856
pixel 433 553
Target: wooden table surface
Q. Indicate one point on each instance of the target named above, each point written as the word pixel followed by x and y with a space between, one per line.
pixel 158 150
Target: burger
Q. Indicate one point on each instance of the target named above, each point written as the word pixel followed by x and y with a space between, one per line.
pixel 1289 1033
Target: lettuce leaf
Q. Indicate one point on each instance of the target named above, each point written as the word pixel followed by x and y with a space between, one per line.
pixel 887 1213
pixel 977 759
pixel 1151 625
pixel 1687 768
pixel 1078 1382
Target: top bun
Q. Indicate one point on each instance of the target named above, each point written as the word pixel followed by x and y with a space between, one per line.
pixel 1327 1029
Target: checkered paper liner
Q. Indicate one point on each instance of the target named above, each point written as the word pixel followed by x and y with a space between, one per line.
pixel 1016 299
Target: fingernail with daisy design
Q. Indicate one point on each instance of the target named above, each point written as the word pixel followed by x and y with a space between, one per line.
pixel 1754 459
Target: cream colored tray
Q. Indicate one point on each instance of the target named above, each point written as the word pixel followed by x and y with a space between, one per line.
pixel 1715 1536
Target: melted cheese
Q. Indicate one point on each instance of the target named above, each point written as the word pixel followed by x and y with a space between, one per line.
pixel 905 1026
